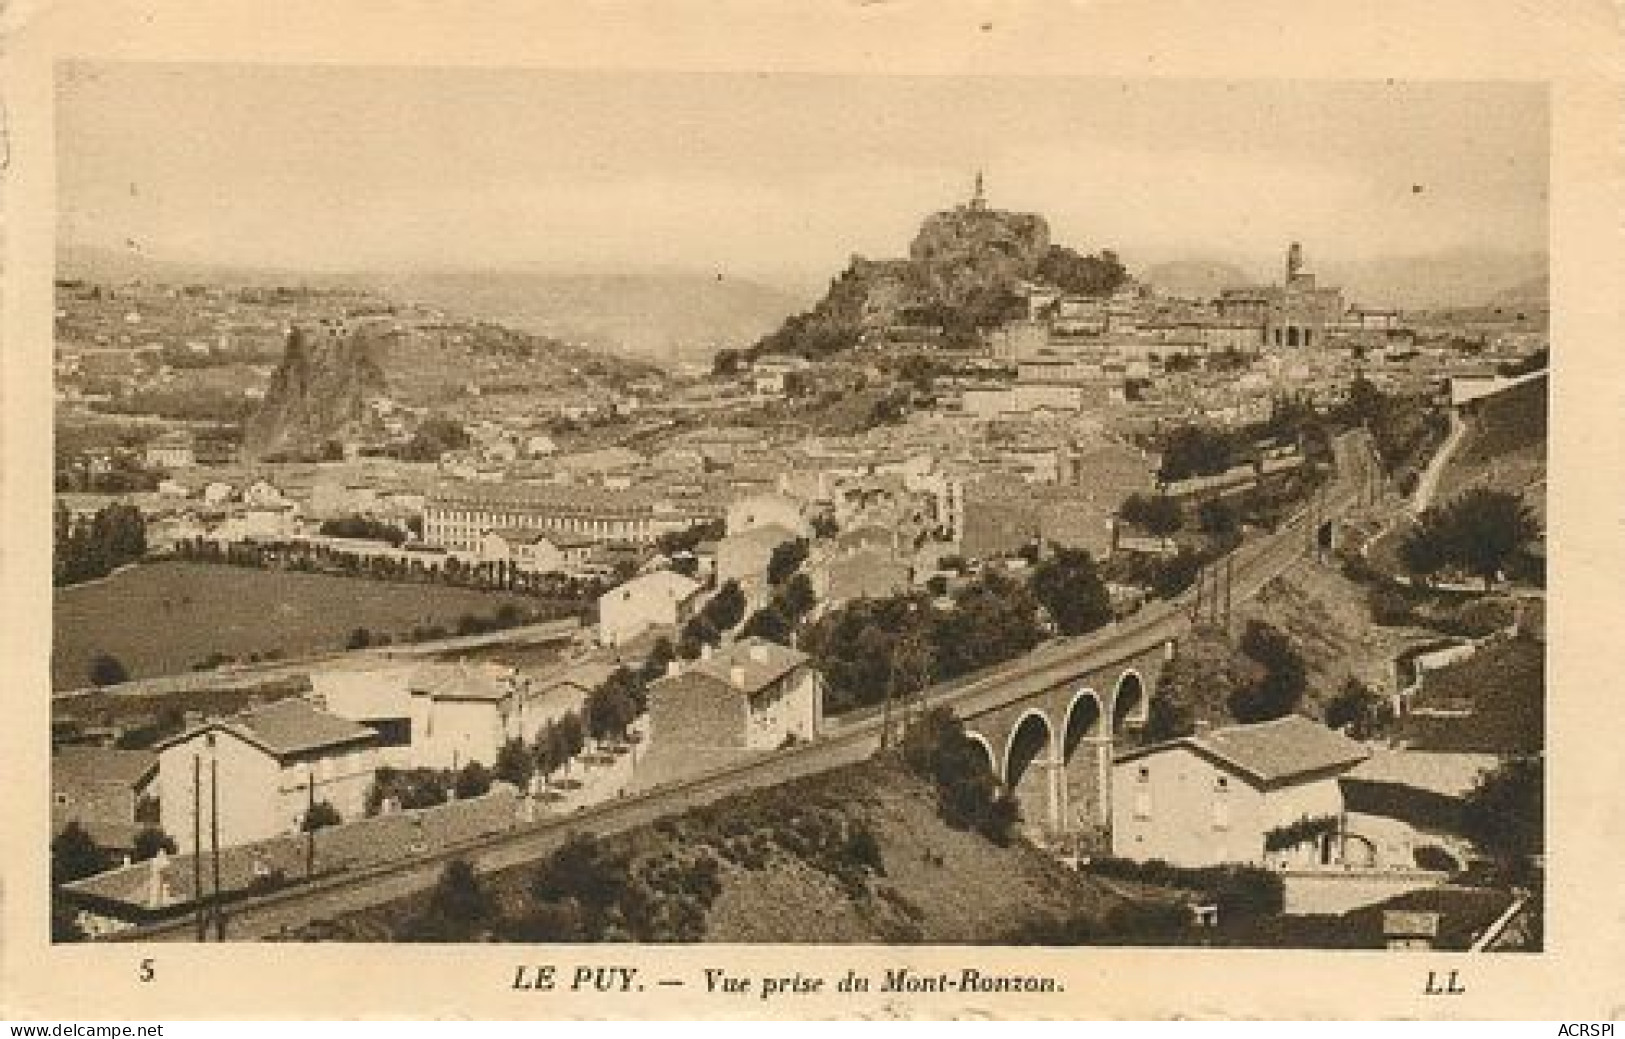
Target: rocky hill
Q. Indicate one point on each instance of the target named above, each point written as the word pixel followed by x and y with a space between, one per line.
pixel 318 393
pixel 961 275
pixel 960 252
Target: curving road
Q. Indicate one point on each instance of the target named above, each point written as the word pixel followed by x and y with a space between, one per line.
pixel 1255 565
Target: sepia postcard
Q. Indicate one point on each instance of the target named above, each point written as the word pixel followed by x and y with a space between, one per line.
pixel 833 510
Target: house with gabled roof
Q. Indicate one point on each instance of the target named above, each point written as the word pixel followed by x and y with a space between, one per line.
pixel 752 694
pixel 1219 795
pixel 662 600
pixel 258 771
pixel 101 789
pixel 461 712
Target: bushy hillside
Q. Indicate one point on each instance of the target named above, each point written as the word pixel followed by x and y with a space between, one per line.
pixel 860 854
pixel 1505 446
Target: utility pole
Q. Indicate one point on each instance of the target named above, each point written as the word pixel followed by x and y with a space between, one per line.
pixel 1229 587
pixel 214 845
pixel 310 831
pixel 197 848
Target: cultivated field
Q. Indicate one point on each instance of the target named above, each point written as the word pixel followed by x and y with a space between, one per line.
pixel 163 618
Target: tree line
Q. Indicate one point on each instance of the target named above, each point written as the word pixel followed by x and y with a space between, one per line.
pixel 872 648
pixel 86 548
pixel 574 594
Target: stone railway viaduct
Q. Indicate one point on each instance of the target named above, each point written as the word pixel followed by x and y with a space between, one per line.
pixel 1050 733
pixel 1051 744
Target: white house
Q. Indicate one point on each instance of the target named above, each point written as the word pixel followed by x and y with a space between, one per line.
pixel 1215 796
pixel 461 713
pixel 535 552
pixel 258 771
pixel 756 511
pixel 659 600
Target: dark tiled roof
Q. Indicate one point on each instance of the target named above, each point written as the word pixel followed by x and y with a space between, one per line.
pixel 459 682
pixel 80 766
pixel 285 728
pixel 761 662
pixel 1272 751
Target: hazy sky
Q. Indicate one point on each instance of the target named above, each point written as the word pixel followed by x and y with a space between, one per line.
pixel 775 177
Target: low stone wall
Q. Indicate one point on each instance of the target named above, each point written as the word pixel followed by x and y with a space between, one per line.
pixel 1339 891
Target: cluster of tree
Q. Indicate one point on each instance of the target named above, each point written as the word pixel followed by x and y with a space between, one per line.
pixel 1480 531
pixel 786 560
pixel 1209 679
pixel 558 743
pixel 435 435
pixel 936 748
pixel 1071 591
pixel 1300 831
pixel 720 614
pixel 1080 274
pixel 563 594
pixel 659 887
pixel 1505 815
pixel 608 713
pixel 899 645
pixel 363 528
pixel 1165 575
pixel 1359 710
pixel 1156 514
pixel 980 308
pixel 120 479
pixel 814 335
pixel 422 787
pixel 193 404
pixel 790 603
pixel 105 669
pixel 75 854
pixel 902 644
pixel 1195 450
pixel 1404 428
pixel 502 618
pixel 88 548
pixel 615 704
pixel 675 541
pixel 888 409
pixel 1282 685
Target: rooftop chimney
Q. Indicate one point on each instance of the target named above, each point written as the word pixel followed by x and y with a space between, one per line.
pixel 758 652
pixel 705 651
pixel 674 668
pixel 736 675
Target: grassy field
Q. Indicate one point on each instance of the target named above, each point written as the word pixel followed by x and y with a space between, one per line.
pixel 163 618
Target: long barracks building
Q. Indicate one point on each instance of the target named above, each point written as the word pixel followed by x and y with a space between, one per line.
pixel 456 516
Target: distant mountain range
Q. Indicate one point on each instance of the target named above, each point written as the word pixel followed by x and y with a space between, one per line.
pixel 657 314
pixel 1462 278
pixel 1193 279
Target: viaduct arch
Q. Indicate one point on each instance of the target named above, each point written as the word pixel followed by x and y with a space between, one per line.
pixel 1051 745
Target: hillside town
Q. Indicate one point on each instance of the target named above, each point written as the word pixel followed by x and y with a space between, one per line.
pixel 348 584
